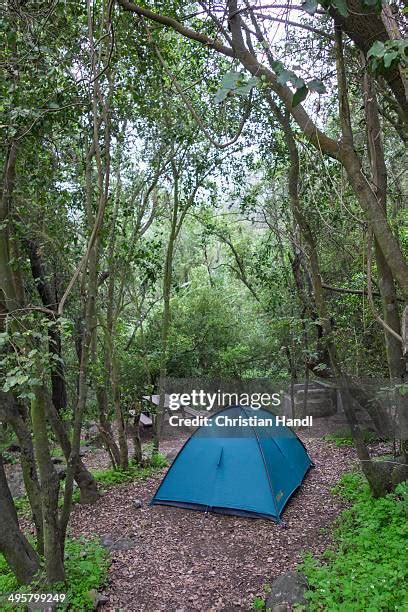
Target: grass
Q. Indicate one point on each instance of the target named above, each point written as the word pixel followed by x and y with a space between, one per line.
pixel 367 568
pixel 86 568
pixel 106 478
pixel 112 477
pixel 343 438
pixel 258 604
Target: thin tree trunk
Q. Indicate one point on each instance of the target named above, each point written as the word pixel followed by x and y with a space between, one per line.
pixel 137 443
pixel 84 479
pixel 8 298
pixel 39 274
pixel 167 280
pixel 119 418
pixel 53 552
pixel 105 426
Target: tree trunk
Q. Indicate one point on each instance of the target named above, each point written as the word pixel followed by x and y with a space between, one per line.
pixel 11 412
pixel 8 297
pixel 18 552
pixel 84 479
pixel 396 361
pixel 167 279
pixel 30 477
pixel 373 473
pixel 48 299
pixel 54 562
pixel 119 418
pixel 137 443
pixel 105 426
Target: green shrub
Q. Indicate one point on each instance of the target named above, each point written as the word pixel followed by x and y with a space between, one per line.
pixel 367 569
pixel 111 476
pixel 158 461
pixel 343 438
pixel 22 506
pixel 86 566
pixel 86 569
pixel 258 604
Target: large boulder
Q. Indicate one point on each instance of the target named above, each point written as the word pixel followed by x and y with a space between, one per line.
pixel 289 588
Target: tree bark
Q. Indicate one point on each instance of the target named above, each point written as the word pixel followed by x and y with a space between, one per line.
pixel 396 360
pixel 84 479
pixel 119 417
pixel 10 413
pixel 105 426
pixel 49 300
pixel 53 552
pixel 373 473
pixel 8 298
pixel 167 280
pixel 18 552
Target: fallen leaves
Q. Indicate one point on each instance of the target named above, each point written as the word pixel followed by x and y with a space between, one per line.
pixel 186 561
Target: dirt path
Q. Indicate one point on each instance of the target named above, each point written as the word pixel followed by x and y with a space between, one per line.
pixel 184 561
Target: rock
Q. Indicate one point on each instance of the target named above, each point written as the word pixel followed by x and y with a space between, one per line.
pixel 288 588
pixel 400 472
pixel 172 454
pixel 93 595
pixel 112 542
pixel 91 430
pixel 100 600
pixel 57 460
pixel 62 472
pixel 13 448
pixel 137 503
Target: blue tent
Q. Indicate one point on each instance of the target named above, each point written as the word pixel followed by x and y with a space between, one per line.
pixel 241 462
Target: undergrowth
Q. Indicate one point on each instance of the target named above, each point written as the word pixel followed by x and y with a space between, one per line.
pixel 112 476
pixel 86 569
pixel 367 569
pixel 106 478
pixel 343 438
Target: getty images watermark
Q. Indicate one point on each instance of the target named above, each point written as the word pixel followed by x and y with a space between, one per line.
pixel 207 401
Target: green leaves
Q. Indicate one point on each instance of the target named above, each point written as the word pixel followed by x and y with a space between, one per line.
pixel 382 56
pixel 285 75
pixel 341 6
pixel 235 83
pixel 317 86
pixel 373 4
pixel 367 568
pixel 14 380
pixel 300 95
pixel 310 6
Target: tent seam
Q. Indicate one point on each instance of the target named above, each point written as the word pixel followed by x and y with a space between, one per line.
pixel 265 465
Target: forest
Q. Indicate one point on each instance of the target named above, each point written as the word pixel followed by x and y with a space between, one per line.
pixel 206 193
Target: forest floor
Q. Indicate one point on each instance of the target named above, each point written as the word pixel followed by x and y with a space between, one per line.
pixel 172 559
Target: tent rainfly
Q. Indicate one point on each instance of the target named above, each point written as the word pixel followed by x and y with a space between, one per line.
pixel 233 466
